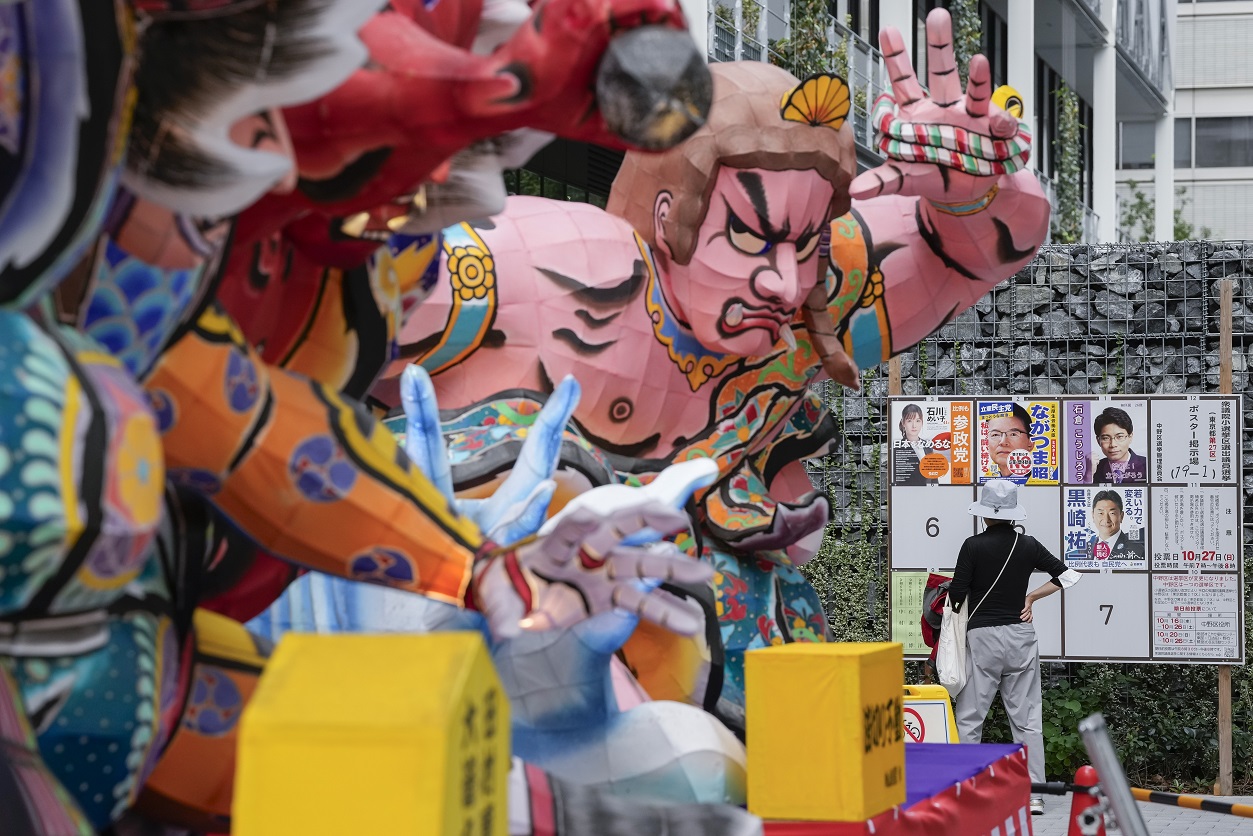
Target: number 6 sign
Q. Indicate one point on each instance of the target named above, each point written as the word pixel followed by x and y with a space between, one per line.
pixel 929 525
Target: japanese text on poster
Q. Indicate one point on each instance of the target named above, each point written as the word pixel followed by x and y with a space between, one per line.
pixel 1195 528
pixel 1196 615
pixel 1101 440
pixel 932 442
pixel 907 592
pixel 1018 441
pixel 1139 494
pixel 1195 441
pixel 1105 528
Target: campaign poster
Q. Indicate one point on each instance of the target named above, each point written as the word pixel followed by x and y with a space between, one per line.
pixel 1105 528
pixel 932 442
pixel 1105 442
pixel 1018 440
pixel 1196 440
pixel 1196 617
pixel 1195 528
pixel 907 592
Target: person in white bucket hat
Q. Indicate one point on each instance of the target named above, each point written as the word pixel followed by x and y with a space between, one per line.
pixel 1003 654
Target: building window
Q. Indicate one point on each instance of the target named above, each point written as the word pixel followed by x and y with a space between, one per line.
pixel 1048 83
pixel 1136 141
pixel 863 18
pixel 522 182
pixel 995 39
pixel 1223 142
pixel 1183 143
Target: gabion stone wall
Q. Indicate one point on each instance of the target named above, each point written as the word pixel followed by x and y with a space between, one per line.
pixel 1079 320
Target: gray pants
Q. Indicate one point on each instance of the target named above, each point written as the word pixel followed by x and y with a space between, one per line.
pixel 1005 659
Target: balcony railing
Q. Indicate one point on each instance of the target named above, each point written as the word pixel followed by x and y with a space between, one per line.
pixel 858 62
pixel 862 67
pixel 1149 50
pixel 1089 223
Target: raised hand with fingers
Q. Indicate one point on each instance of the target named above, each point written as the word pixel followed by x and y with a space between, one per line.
pixel 598 554
pixel 517 508
pixel 948 147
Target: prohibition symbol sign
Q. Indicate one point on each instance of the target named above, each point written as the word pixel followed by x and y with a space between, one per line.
pixel 914 726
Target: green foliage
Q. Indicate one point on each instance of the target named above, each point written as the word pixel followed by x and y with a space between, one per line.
pixel 1068 146
pixel 1184 230
pixel 1138 216
pixel 805 50
pixel 845 575
pixel 1120 364
pixel 750 17
pixel 967 33
pixel 963 383
pixel 1064 707
pixel 848 571
pixel 1163 721
pixel 1162 718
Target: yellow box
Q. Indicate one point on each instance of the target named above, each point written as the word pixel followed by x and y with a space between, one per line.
pixel 356 734
pixel 836 708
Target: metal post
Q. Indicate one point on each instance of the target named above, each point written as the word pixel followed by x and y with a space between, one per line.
pixel 1223 787
pixel 1113 779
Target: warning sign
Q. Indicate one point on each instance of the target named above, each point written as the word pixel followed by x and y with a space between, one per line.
pixel 914 727
pixel 928 715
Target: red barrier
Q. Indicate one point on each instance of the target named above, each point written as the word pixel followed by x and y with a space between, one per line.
pixel 992 803
pixel 1081 801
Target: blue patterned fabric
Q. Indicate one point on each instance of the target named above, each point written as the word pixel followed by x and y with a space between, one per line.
pixel 134 307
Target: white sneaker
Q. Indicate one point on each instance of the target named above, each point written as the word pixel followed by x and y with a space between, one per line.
pixel 1037 805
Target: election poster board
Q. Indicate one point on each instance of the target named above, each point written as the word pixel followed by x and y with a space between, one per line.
pixel 1139 494
pixel 933 443
pixel 1018 441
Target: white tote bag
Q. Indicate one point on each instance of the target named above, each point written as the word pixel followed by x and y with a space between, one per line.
pixel 950 658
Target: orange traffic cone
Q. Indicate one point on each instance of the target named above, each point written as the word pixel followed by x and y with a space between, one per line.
pixel 1086 818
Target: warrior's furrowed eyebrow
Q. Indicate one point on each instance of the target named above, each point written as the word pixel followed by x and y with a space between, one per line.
pixel 753 186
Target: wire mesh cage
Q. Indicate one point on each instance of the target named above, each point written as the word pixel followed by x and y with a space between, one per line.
pixel 1079 320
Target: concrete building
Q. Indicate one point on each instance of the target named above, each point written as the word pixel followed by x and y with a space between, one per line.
pixel 1114 54
pixel 1213 124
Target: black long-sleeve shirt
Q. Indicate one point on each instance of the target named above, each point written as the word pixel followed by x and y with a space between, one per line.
pixel 978 563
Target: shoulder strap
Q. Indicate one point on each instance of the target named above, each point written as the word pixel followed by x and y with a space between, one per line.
pixel 998 576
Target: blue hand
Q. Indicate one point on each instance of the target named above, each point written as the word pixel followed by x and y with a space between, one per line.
pixel 424 438
pixel 519 506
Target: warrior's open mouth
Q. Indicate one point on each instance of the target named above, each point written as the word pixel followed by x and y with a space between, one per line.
pixel 379 223
pixel 348 182
pixel 739 317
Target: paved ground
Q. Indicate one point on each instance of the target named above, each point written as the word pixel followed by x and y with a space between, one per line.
pixel 1162 820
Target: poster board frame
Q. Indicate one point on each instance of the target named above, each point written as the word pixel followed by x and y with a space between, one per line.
pixel 1184 483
